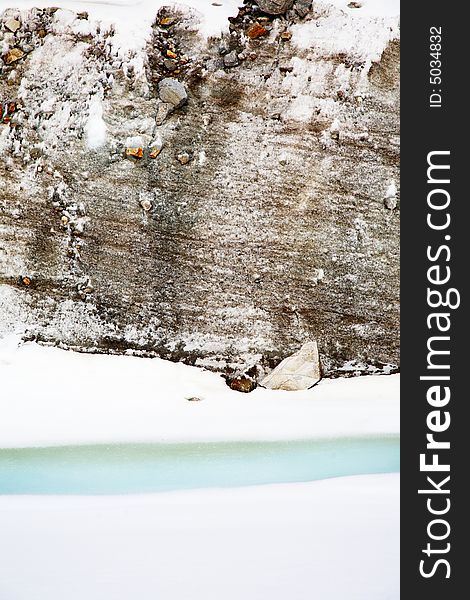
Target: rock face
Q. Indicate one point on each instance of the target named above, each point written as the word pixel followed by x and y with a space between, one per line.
pixel 172 91
pixel 272 232
pixel 275 7
pixel 297 372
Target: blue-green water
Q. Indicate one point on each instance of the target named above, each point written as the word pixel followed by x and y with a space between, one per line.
pixel 142 468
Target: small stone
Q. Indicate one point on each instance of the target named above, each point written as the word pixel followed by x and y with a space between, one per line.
pixel 355 5
pixel 167 21
pixel 390 203
pixel 26 280
pixel 286 35
pixel 231 59
pixel 135 152
pixel 35 152
pixel 297 372
pixel 13 55
pixel 183 158
pixel 275 7
pixel 64 220
pixel 146 205
pixel 215 64
pixel 302 7
pixel 164 109
pixel 256 31
pixel 193 399
pixel 12 25
pixel 172 92
pixel 242 384
pixel 155 148
pixel 171 54
pixel 170 64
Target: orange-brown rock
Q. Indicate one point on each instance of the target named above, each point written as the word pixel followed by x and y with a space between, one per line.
pixel 256 31
pixel 13 55
pixel 135 152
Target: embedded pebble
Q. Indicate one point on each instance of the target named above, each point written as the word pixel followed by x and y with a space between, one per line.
pixel 12 25
pixel 172 92
pixel 135 152
pixel 275 7
pixel 183 158
pixel 256 31
pixel 164 109
pixel 13 55
pixel 170 64
pixel 155 147
pixel 302 7
pixel 242 384
pixel 231 59
pixel 146 205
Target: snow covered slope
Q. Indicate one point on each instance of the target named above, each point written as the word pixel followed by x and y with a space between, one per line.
pixel 133 18
pixel 330 540
pixel 53 397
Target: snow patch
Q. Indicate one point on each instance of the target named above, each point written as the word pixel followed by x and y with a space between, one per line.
pixel 95 128
pixel 362 34
pixel 132 19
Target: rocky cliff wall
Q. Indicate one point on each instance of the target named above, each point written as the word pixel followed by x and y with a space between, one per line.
pixel 261 213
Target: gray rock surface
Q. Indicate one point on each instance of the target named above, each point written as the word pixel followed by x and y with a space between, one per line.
pixel 274 232
pixel 297 372
pixel 231 59
pixel 275 7
pixel 173 92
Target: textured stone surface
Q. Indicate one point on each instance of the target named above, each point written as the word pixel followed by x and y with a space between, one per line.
pixel 275 7
pixel 297 372
pixel 275 232
pixel 172 91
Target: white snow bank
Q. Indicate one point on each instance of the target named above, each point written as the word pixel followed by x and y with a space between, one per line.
pixel 328 540
pixel 360 33
pixel 133 18
pixel 369 8
pixel 53 397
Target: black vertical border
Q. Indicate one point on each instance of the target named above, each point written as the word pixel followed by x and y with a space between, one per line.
pixel 425 129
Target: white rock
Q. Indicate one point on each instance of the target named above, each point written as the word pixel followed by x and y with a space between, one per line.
pixel 172 91
pixel 12 25
pixel 297 372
